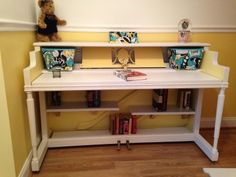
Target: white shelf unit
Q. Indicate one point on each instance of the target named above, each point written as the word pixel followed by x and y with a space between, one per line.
pixel 98 137
pixel 82 106
pixel 148 110
pixel 108 44
pixel 211 75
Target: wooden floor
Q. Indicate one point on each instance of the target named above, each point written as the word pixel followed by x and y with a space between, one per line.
pixel 144 160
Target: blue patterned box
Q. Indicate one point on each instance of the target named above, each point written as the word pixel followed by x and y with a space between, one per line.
pixel 185 58
pixel 123 37
pixel 62 58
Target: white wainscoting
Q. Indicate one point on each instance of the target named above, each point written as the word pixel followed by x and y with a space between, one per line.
pixel 146 15
pixel 14 25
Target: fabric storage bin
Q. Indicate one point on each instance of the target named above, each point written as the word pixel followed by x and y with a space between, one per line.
pixel 62 58
pixel 123 37
pixel 185 58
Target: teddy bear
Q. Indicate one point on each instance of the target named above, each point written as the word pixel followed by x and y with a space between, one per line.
pixel 47 22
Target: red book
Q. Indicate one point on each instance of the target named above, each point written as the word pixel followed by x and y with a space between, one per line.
pixel 130 75
pixel 117 123
pixel 134 125
pixel 112 124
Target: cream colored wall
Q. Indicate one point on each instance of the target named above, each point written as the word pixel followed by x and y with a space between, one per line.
pixel 17 11
pixel 15 47
pixel 7 167
pixel 152 15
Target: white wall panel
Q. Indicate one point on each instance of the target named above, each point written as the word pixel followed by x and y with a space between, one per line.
pixel 150 15
pixel 140 15
pixel 17 14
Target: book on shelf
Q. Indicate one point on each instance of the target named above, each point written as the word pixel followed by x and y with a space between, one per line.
pixel 159 99
pixel 184 100
pixel 121 124
pixel 130 75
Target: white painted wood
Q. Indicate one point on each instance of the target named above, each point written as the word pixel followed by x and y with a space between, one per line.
pixel 219 112
pixel 108 44
pixel 226 69
pixel 103 79
pixel 15 25
pixel 43 114
pixel 198 108
pixel 33 64
pixel 82 106
pixel 32 122
pixel 78 138
pixel 38 151
pixel 148 110
pixel 206 147
pixel 41 152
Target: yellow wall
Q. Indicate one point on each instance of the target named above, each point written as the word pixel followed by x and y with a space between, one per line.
pixel 15 47
pixel 7 167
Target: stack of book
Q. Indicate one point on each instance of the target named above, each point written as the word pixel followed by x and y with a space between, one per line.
pixel 184 100
pixel 130 75
pixel 121 124
pixel 159 99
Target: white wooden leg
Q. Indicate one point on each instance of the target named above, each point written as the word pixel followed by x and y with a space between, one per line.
pixel 32 122
pixel 43 115
pixel 209 150
pixel 43 146
pixel 198 110
pixel 219 112
pixel 40 150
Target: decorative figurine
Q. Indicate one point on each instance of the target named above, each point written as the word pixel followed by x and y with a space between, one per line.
pixel 184 27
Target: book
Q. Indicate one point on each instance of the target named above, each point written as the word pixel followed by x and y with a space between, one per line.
pixel 184 100
pixel 130 75
pixel 123 124
pixel 159 99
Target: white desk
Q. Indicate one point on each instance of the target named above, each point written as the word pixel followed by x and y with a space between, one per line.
pixel 37 80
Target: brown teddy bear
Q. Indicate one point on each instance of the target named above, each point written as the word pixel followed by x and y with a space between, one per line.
pixel 47 22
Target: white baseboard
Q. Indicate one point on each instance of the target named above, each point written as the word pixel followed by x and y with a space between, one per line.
pixel 26 169
pixel 226 122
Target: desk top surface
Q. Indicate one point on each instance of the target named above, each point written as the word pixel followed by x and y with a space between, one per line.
pixel 108 44
pixel 104 79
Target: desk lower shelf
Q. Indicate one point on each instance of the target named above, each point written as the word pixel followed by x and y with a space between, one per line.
pixel 82 106
pixel 98 137
pixel 148 110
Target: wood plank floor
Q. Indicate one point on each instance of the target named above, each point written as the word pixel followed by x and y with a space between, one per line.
pixel 144 160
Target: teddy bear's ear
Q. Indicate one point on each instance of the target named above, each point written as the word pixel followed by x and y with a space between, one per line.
pixel 40 3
